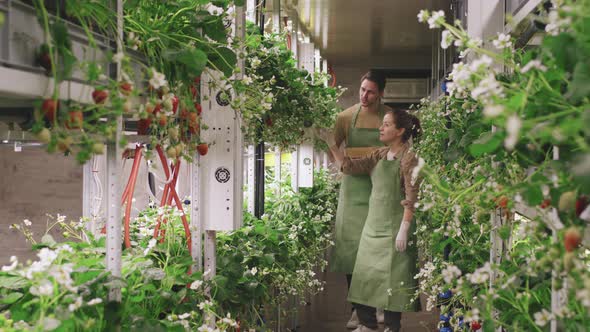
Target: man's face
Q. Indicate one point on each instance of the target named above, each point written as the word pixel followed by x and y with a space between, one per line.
pixel 369 93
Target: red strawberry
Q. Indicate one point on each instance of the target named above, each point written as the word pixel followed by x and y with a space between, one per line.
pixel 174 104
pixel 475 325
pixel 193 123
pixel 162 120
pixel 126 88
pixel 197 80
pixel 581 204
pixel 198 108
pixel 546 203
pixel 49 109
pixel 44 59
pixel 571 239
pixel 194 92
pixel 143 126
pixel 268 121
pixel 203 149
pixel 100 96
pixel 75 119
pixel 502 202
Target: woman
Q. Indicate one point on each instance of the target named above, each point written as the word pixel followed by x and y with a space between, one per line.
pixel 385 265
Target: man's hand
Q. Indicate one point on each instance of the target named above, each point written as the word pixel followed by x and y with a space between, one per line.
pixel 401 241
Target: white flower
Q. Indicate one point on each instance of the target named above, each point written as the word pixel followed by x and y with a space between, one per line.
pixel 94 301
pixel 446 39
pixel 513 125
pixel 196 284
pixel 14 261
pixel 254 270
pixel 480 275
pixel 436 19
pixel 205 304
pixel 503 41
pixel 214 10
pixel 423 15
pixel 150 246
pixel 76 305
pixel 492 111
pixel 158 80
pixel 417 168
pixel 255 62
pixel 45 288
pixel 556 24
pixel 487 88
pixel 536 64
pixel 229 321
pixel 450 273
pixel 542 317
pixel 27 222
pixel 247 80
pixel 50 324
pixel 184 316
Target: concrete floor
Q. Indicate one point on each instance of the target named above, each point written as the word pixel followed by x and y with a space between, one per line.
pixel 329 311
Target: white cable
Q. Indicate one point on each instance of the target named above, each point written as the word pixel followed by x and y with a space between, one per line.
pixel 157 177
pixel 149 190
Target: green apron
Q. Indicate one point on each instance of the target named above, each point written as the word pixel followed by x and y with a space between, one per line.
pixel 353 202
pixel 384 277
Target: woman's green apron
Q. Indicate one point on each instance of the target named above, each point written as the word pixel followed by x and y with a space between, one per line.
pixel 384 277
pixel 353 202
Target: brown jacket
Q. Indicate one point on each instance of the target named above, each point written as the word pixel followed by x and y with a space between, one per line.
pixel 365 165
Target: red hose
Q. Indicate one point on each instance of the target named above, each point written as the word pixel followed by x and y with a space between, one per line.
pixel 133 179
pixel 126 191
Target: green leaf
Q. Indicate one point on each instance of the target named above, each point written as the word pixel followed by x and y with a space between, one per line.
pixel 47 239
pixel 533 195
pixel 11 298
pixel 236 2
pixel 193 59
pixel 488 142
pixel 13 282
pixel 579 87
pixel 223 59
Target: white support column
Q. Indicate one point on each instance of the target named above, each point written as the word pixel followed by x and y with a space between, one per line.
pixel 113 199
pixel 295 38
pixel 485 19
pixel 558 297
pixel 278 169
pixel 240 33
pixel 276 16
pixel 325 160
pixel 93 181
pixel 250 181
pixel 196 226
pixel 305 151
pixel 295 170
pixel 251 10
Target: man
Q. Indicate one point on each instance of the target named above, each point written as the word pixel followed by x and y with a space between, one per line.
pixel 357 130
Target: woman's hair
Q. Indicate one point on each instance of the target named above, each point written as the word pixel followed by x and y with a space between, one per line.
pixel 411 124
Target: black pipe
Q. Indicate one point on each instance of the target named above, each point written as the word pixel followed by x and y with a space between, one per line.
pixel 259 180
pixel 259 152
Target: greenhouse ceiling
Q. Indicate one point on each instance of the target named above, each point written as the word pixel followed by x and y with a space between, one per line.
pixel 379 33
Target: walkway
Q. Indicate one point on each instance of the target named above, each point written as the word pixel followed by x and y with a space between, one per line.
pixel 329 311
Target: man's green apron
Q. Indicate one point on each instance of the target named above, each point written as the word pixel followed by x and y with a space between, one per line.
pixel 384 277
pixel 353 202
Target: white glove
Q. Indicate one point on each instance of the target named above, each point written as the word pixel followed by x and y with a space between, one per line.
pixel 325 135
pixel 401 241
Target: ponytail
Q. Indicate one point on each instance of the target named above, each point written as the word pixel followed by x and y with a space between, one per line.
pixel 409 122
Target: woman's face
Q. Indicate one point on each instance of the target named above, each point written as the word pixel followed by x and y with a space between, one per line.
pixel 388 133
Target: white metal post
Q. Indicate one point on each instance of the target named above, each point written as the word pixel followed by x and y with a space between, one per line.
pixel 250 181
pixel 251 10
pixel 92 195
pixel 113 223
pixel 196 226
pixel 278 169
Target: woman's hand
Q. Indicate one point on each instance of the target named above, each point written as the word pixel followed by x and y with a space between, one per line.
pixel 401 241
pixel 325 135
